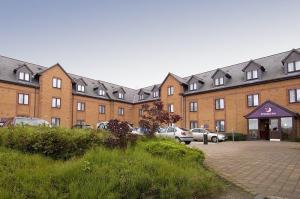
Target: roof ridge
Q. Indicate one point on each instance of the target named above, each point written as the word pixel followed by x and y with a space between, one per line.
pixel 26 62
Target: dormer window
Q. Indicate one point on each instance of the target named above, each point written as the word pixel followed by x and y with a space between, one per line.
pixel 155 94
pixel 252 74
pixel 141 97
pixel 193 86
pixel 219 81
pixel 121 96
pixel 293 66
pixel 24 76
pixel 101 92
pixel 80 88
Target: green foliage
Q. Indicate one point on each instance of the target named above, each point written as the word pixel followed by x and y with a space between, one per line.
pixel 237 137
pixel 58 143
pixel 106 173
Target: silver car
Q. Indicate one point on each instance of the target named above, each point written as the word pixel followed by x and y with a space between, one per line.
pixel 213 137
pixel 180 134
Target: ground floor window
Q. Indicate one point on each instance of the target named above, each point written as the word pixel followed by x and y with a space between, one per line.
pixel 220 125
pixel 193 124
pixel 253 127
pixel 286 127
pixel 55 121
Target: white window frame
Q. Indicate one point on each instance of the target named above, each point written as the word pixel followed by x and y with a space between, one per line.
pixel 252 100
pixel 24 76
pixel 80 106
pixel 193 106
pixel 56 82
pixel 170 90
pixel 294 95
pixel 55 121
pixel 193 86
pixel 121 95
pixel 102 109
pixel 56 102
pixel 293 66
pixel 141 97
pixel 120 111
pixel 101 92
pixel 23 99
pixel 219 124
pixel 171 108
pixel 219 104
pixel 252 74
pixel 80 88
pixel 155 94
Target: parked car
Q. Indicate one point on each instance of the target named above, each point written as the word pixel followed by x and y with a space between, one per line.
pixel 103 125
pixel 180 134
pixel 213 137
pixel 82 126
pixel 31 121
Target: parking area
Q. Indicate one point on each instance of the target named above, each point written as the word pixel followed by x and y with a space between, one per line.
pixel 261 167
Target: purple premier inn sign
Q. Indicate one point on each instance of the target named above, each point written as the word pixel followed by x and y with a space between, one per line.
pixel 270 109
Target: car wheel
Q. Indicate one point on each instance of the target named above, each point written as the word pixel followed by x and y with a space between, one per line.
pixel 214 139
pixel 187 142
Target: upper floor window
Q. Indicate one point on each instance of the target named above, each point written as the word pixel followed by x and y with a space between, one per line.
pixel 219 81
pixel 253 100
pixel 171 90
pixel 56 82
pixel 23 98
pixel 193 86
pixel 80 106
pixel 55 102
pixel 220 104
pixel 141 97
pixel 155 94
pixel 80 88
pixel 252 74
pixel 220 125
pixel 293 66
pixel 24 76
pixel 141 112
pixel 120 111
pixel 121 96
pixel 101 92
pixel 171 108
pixel 55 121
pixel 102 109
pixel 294 95
pixel 193 106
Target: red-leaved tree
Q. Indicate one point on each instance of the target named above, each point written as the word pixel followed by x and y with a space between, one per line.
pixel 155 116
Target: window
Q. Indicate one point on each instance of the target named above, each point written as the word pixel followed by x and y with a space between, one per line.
pixel 219 81
pixel 80 122
pixel 141 97
pixel 102 109
pixel 219 104
pixel 293 66
pixel 55 102
pixel 253 74
pixel 155 94
pixel 171 90
pixel 80 106
pixel 101 92
pixel 193 106
pixel 193 86
pixel 121 96
pixel 121 111
pixel 141 112
pixel 253 124
pixel 253 100
pixel 294 95
pixel 23 99
pixel 170 108
pixel 220 125
pixel 80 88
pixel 193 124
pixel 56 83
pixel 55 121
pixel 24 76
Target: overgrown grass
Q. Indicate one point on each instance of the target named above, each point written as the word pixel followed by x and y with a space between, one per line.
pixel 157 168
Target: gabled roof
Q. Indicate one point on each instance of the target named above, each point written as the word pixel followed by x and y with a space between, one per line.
pixel 143 91
pixel 253 62
pixel 100 84
pixel 220 70
pixel 288 55
pixel 194 76
pixel 179 79
pixel 119 89
pixel 55 65
pixel 79 81
pixel 23 66
pixel 156 86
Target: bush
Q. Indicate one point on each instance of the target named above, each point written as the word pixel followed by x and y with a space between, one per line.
pixel 58 143
pixel 140 172
pixel 237 137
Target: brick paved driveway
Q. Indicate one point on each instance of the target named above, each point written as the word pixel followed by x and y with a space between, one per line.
pixel 260 167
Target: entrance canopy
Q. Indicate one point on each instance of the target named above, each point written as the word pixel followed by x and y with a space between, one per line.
pixel 270 109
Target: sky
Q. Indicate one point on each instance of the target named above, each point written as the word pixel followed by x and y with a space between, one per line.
pixel 136 43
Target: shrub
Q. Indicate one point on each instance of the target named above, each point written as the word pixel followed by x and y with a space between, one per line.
pixel 58 143
pixel 237 137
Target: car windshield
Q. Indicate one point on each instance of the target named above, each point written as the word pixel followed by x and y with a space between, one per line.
pixel 30 121
pixel 162 130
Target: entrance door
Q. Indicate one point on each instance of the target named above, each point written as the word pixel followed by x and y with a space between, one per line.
pixel 274 129
pixel 264 130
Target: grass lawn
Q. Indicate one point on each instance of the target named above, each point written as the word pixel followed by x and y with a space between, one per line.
pixel 151 169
